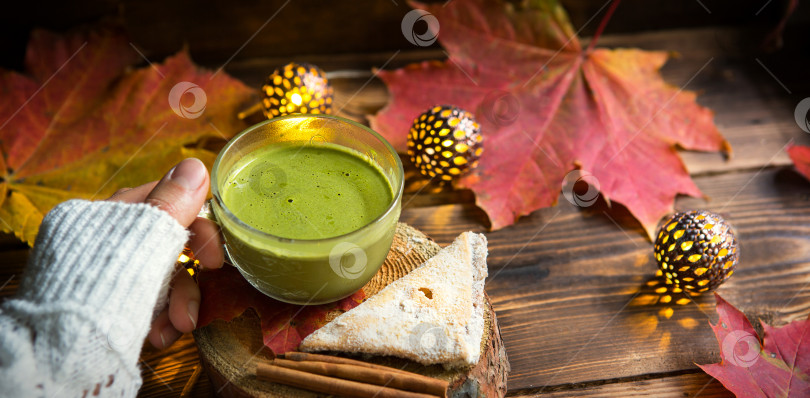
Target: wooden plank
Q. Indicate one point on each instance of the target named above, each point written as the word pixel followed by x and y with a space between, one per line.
pixel 570 287
pixel 752 109
pixel 165 373
pixel 688 385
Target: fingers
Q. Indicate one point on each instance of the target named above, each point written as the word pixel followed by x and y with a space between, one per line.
pixel 184 303
pixel 180 316
pixel 133 195
pixel 206 244
pixel 163 334
pixel 182 191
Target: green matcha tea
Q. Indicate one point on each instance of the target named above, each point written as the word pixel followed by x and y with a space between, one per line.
pixel 321 205
pixel 306 192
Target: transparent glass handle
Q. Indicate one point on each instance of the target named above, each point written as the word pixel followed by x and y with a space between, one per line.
pixel 187 259
pixel 205 212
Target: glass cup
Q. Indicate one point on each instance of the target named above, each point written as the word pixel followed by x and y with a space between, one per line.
pixel 301 271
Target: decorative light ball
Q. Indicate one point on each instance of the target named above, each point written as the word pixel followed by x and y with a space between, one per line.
pixel 297 88
pixel 696 250
pixel 189 261
pixel 445 141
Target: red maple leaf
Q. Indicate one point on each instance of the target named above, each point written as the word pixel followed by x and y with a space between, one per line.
pixel 800 155
pixel 226 295
pixel 83 122
pixel 778 368
pixel 546 107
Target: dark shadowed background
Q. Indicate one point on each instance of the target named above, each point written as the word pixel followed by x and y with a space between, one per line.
pixel 215 31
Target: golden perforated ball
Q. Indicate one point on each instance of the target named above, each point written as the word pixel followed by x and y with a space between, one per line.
pixel 297 88
pixel 696 250
pixel 445 141
pixel 187 260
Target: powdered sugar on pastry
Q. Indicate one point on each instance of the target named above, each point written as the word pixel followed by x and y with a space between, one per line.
pixel 433 315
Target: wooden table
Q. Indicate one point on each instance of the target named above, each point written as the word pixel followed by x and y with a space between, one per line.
pixel 569 285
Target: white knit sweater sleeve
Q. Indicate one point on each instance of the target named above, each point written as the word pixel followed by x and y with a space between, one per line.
pixel 86 300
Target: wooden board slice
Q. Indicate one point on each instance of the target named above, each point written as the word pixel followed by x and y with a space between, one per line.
pixel 229 350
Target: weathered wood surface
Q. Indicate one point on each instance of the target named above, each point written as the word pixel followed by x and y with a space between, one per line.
pixel 687 385
pixel 568 284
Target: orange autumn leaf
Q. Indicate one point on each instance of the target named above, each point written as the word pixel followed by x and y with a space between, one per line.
pixel 547 106
pixel 82 123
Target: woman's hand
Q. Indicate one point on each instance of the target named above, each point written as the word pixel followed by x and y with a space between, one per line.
pixel 181 193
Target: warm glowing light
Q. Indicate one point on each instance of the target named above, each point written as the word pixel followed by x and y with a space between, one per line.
pixel 183 258
pixel 296 99
pixel 645 299
pixel 666 312
pixel 688 323
pixel 666 338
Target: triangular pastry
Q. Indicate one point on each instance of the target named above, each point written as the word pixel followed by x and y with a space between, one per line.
pixel 433 315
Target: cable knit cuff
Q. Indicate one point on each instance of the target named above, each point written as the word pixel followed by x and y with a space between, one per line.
pixel 112 257
pixel 87 297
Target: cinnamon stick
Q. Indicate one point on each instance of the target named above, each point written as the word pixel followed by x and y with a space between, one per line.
pixel 305 356
pixel 381 377
pixel 329 385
